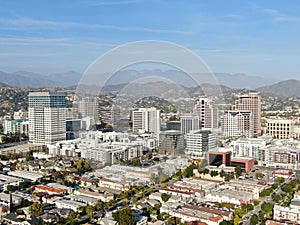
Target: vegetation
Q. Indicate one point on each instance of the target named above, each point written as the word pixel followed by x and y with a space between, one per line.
pixel 165 197
pixel 254 220
pixel 36 210
pixel 267 207
pixel 124 217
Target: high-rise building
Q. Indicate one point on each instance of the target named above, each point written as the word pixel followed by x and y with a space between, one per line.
pixel 251 102
pixel 47 117
pixel 146 120
pixel 199 142
pixel 207 112
pixel 189 122
pixel 238 123
pixel 89 107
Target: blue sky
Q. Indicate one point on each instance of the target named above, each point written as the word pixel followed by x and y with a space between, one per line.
pixel 259 38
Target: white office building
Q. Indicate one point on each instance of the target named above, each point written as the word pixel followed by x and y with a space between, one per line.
pixel 237 124
pixel 189 123
pixel 199 142
pixel 47 117
pixel 146 120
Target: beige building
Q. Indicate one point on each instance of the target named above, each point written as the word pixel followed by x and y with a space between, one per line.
pixel 251 102
pixel 280 128
pixel 207 112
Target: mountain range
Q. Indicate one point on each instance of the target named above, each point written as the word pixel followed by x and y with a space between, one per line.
pixel 288 88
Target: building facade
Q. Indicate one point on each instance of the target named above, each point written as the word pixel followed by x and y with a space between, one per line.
pixel 251 102
pixel 47 121
pixel 207 112
pixel 238 123
pixel 199 142
pixel 280 128
pixel 146 120
pixel 189 122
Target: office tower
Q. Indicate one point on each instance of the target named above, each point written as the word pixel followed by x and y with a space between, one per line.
pixel 199 142
pixel 88 107
pixel 47 121
pixel 238 123
pixel 251 102
pixel 189 122
pixel 146 120
pixel 207 112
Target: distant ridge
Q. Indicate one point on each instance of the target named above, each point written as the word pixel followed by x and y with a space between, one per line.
pixel 4 85
pixel 72 78
pixel 288 88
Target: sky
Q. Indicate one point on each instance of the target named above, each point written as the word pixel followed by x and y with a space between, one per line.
pixel 258 38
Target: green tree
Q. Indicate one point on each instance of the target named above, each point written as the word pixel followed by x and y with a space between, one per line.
pixel 259 175
pixel 274 186
pixel 36 210
pixel 267 207
pixel 276 198
pixel 90 210
pixel 214 173
pixel 256 202
pixel 288 188
pixel 9 188
pixel 280 180
pixel 165 197
pixel 238 171
pixel 124 217
pixel 222 173
pixel 71 217
pixel 254 220
pixel 189 170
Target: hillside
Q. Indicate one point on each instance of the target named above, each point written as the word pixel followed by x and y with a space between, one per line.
pixel 288 88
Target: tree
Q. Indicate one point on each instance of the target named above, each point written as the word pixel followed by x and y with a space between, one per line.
pixel 71 217
pixel 99 205
pixel 254 220
pixel 266 192
pixel 124 217
pixel 36 210
pixel 9 188
pixel 205 171
pixel 261 216
pixel 222 173
pixel 280 180
pixel 214 173
pixel 189 170
pixel 23 185
pixel 274 186
pixel 259 175
pixel 90 210
pixel 267 207
pixel 165 197
pixel 256 202
pixel 276 198
pixel 238 171
pixel 288 188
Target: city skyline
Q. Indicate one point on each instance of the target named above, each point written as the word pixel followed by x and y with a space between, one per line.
pixel 256 38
